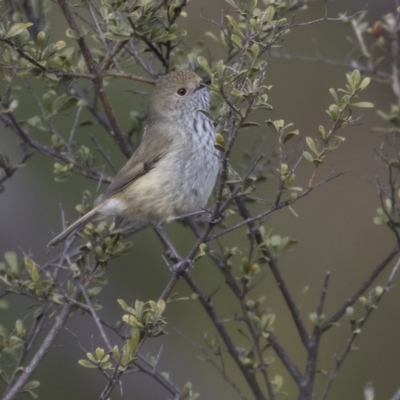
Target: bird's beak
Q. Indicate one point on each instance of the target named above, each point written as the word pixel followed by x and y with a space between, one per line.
pixel 205 81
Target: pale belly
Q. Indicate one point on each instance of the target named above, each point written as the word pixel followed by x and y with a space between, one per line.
pixel 176 186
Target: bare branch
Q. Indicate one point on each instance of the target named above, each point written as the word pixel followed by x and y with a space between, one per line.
pixel 328 323
pixel 41 352
pixel 97 81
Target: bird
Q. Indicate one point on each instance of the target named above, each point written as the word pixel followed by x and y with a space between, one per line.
pixel 174 169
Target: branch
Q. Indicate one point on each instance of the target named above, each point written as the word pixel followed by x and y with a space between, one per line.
pixel 9 120
pixel 328 323
pixel 9 170
pixel 287 362
pixel 231 348
pixel 41 352
pixel 307 388
pixel 205 302
pixel 97 81
pixel 325 18
pixel 28 343
pixel 275 207
pixel 273 264
pixel 356 329
pixel 219 368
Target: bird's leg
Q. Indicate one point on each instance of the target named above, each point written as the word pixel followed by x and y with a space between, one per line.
pixel 210 218
pixel 179 268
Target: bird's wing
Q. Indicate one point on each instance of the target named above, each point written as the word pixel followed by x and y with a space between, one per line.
pixel 132 170
pixel 155 144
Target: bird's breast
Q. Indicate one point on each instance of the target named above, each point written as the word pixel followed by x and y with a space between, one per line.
pixel 181 181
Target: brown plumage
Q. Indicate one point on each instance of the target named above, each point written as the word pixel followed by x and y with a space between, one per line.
pixel 174 169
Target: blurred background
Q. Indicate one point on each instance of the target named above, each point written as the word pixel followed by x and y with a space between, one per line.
pixel 334 228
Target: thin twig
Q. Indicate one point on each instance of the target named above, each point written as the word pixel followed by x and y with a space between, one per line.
pixel 356 329
pixel 328 323
pixel 41 352
pixel 97 81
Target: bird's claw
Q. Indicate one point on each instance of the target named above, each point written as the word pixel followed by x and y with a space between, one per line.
pixel 215 220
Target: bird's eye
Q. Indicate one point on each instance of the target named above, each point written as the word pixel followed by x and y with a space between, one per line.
pixel 181 91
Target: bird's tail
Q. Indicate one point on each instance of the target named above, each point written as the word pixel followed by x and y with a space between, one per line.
pixel 76 225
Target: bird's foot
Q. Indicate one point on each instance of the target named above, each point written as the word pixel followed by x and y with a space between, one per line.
pixel 180 268
pixel 214 220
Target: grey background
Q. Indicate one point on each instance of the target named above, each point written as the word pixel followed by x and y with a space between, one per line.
pixel 334 229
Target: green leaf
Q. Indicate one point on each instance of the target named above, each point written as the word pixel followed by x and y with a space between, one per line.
pixel 212 36
pixel 363 104
pixel 350 82
pixel 4 304
pixel 270 13
pixel 334 95
pixel 220 67
pixel 139 306
pixel 293 197
pixel 19 329
pixel 236 40
pixel 116 353
pixel 16 29
pixel 12 261
pixel 50 76
pixel 350 312
pixel 250 123
pixel 28 388
pixel 33 273
pixel 237 93
pixel 86 364
pixel 308 156
pixel 219 142
pixel 91 357
pixel 31 385
pixel 40 38
pixel 277 382
pixel 204 64
pixel 364 83
pixel 94 291
pixel 322 132
pixel 99 352
pixel 314 318
pixel 290 135
pixel 123 304
pixel 161 305
pixel 381 218
pixel 334 142
pixel 72 34
pixel 355 77
pixel 132 321
pixel 254 50
pixel 201 252
pixel 272 126
pixel 37 122
pixel 333 111
pixel 313 145
pixel 235 25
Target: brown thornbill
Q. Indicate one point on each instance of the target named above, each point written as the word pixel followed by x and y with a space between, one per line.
pixel 174 169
